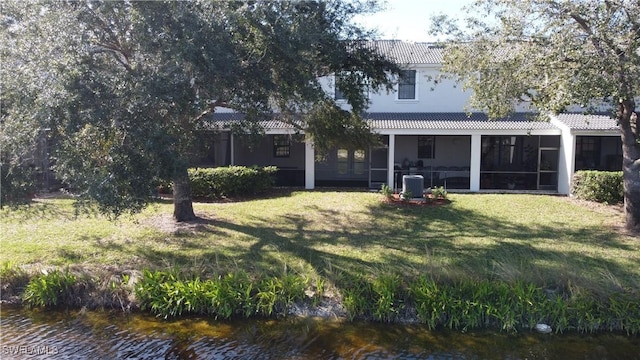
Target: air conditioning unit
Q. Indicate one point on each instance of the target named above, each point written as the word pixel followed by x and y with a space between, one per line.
pixel 413 184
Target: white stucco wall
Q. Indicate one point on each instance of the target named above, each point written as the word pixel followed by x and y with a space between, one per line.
pixel 443 97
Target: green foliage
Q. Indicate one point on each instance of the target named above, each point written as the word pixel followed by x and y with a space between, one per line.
pixel 215 183
pixel 126 86
pixel 387 297
pixel 601 186
pixel 553 57
pixel 17 184
pixel 357 296
pixel 167 294
pixel 439 192
pixel 49 289
pixel 429 301
pixel 406 195
pixel 236 295
pixel 510 307
pixel 463 305
pixel 275 294
pixel 12 279
pixel 386 191
pixel 330 127
pixel 116 177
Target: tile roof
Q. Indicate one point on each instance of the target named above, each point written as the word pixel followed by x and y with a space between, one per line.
pixel 224 120
pixel 418 121
pixel 403 52
pixel 587 122
pixel 455 121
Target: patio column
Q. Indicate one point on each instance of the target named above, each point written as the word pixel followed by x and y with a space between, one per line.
pixel 232 149
pixel 391 161
pixel 309 164
pixel 476 155
pixel 566 165
pixel 567 156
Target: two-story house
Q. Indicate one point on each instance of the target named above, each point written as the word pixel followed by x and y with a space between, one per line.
pixel 425 130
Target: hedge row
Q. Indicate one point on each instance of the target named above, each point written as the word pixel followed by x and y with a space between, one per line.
pixel 215 183
pixel 601 186
pixel 463 305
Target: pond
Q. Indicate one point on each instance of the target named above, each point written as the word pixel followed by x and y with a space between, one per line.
pixel 115 335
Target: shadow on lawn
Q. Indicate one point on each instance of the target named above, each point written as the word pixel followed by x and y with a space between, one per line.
pixel 441 241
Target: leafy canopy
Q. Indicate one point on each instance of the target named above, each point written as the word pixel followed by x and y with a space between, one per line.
pixel 553 56
pixel 125 86
pixel 548 54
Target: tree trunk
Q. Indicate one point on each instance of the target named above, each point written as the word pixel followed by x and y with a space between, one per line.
pixel 182 204
pixel 630 164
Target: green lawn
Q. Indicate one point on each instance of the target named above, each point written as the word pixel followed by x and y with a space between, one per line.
pixel 551 241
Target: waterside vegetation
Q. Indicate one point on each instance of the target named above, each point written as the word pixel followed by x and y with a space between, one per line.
pixel 499 261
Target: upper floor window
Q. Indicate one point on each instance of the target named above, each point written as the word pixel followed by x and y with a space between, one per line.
pixel 407 85
pixel 281 146
pixel 339 94
pixel 426 147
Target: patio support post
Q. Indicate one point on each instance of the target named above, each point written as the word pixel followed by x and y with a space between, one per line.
pixel 474 170
pixel 309 164
pixel 391 161
pixel 567 160
pixel 233 150
pixel 566 165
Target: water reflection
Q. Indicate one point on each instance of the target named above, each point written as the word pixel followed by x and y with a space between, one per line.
pixel 106 335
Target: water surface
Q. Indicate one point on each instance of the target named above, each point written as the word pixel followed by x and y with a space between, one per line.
pixel 29 334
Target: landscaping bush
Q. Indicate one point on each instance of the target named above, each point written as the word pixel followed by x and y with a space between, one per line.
pixel 215 183
pixel 600 186
pixel 167 294
pixel 50 289
pixel 18 184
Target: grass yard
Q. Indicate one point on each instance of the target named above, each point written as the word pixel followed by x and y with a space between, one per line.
pixel 554 242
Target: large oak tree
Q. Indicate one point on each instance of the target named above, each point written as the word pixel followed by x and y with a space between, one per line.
pixel 554 54
pixel 125 86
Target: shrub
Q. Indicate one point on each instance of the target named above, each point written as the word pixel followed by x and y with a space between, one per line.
pixel 215 183
pixel 275 294
pixel 439 192
pixel 12 279
pixel 168 295
pixel 18 184
pixel 49 289
pixel 601 186
pixel 357 296
pixel 388 300
pixel 386 191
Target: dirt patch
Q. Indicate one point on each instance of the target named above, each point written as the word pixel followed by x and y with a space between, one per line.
pixel 167 224
pixel 396 199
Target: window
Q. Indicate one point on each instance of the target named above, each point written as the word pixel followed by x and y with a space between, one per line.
pixel 587 152
pixel 426 147
pixel 407 85
pixel 343 161
pixel 349 76
pixel 281 146
pixel 338 95
pixel 358 162
pixel 351 162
